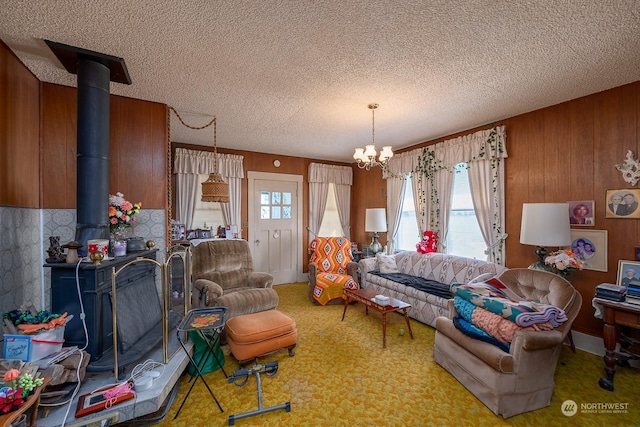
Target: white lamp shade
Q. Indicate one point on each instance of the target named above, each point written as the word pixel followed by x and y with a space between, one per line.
pixel 545 224
pixel 359 154
pixel 376 220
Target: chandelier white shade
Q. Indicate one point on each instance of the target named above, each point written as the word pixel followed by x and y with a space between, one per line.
pixel 366 157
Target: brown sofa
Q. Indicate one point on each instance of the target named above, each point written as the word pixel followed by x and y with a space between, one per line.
pixel 223 276
pixel 522 379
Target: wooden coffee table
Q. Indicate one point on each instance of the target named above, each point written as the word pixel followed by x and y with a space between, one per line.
pixel 365 296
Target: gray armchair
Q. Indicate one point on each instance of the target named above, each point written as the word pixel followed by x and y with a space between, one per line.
pixel 223 276
pixel 522 379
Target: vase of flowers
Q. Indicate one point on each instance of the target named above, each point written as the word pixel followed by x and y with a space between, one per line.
pixel 563 262
pixel 122 215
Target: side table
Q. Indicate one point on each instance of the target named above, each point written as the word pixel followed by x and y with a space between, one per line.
pixel 616 314
pixel 209 323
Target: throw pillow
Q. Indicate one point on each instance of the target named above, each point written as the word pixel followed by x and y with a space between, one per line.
pixel 387 263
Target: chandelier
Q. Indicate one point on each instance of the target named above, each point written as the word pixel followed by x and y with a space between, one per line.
pixel 214 189
pixel 366 157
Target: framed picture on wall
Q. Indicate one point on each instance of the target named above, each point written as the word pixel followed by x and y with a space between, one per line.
pixel 582 213
pixel 637 253
pixel 590 247
pixel 628 273
pixel 622 203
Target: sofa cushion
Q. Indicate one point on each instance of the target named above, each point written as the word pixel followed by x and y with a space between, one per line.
pixel 386 263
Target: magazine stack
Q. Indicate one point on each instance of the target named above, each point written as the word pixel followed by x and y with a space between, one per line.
pixel 611 292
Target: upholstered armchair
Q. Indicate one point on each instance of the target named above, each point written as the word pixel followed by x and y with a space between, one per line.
pixel 331 269
pixel 520 380
pixel 223 276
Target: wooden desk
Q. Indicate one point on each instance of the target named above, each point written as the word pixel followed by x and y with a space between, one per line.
pixel 32 402
pixel 616 314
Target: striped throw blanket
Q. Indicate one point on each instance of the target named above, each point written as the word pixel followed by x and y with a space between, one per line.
pixel 495 297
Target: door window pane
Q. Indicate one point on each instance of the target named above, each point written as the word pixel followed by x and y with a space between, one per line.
pixel 275 197
pixel 264 198
pixel 286 198
pixel 275 212
pixel 264 212
pixel 286 212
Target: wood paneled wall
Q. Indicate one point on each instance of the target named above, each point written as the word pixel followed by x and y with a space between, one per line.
pixel 19 133
pixel 138 145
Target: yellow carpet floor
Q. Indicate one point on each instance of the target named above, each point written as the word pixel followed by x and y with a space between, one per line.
pixel 341 376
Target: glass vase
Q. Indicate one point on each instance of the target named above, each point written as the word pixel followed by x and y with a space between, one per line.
pixel 119 235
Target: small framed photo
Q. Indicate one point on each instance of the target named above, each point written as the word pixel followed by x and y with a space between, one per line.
pixel 590 247
pixel 622 203
pixel 204 234
pixel 637 253
pixel 178 231
pixel 192 234
pixel 628 273
pixel 581 213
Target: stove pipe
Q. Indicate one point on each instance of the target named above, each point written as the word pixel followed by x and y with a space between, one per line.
pixel 93 152
pixel 95 71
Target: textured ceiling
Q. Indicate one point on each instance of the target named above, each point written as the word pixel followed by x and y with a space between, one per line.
pixel 295 77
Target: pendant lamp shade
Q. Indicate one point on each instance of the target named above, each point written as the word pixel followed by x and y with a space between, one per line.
pixel 214 189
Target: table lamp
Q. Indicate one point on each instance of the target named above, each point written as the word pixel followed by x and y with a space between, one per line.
pixel 375 222
pixel 543 225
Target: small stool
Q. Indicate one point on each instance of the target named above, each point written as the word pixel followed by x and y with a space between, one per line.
pixel 253 335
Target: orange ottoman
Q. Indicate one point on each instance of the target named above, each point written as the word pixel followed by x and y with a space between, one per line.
pixel 252 335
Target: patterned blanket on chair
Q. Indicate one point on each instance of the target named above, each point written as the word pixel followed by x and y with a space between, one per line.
pixel 495 297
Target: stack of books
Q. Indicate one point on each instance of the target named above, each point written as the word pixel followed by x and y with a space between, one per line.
pixel 633 293
pixel 611 292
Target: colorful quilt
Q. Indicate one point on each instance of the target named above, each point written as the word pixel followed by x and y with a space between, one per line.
pixel 331 256
pixel 495 297
pixel 491 323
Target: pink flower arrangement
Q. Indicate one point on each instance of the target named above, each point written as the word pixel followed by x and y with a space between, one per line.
pixel 563 262
pixel 121 211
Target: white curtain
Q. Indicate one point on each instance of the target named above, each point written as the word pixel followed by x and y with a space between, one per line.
pixel 320 175
pixel 188 164
pixel 484 150
pixel 186 189
pixel 395 190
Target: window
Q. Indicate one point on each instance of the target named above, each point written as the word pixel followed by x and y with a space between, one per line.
pixel 207 215
pixel 275 205
pixel 464 237
pixel 408 234
pixel 331 226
